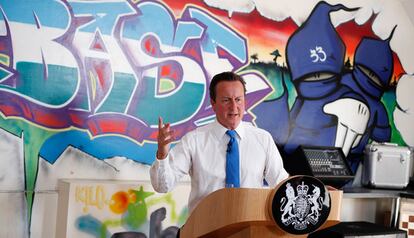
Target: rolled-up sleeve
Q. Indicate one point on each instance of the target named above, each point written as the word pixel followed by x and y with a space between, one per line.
pixel 161 176
pixel 166 173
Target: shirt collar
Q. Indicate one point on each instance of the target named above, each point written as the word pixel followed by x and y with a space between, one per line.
pixel 220 131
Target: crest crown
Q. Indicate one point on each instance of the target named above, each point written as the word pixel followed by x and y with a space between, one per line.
pixel 302 189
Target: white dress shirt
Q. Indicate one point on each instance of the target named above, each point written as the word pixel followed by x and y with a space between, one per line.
pixel 201 153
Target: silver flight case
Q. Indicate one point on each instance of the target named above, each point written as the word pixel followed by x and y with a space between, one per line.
pixel 387 166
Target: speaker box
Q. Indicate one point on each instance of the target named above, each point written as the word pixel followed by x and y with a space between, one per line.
pixel 358 229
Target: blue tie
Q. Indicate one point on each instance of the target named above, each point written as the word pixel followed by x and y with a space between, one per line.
pixel 232 161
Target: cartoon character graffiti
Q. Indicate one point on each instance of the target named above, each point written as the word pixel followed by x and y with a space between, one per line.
pixel 371 77
pixel 315 55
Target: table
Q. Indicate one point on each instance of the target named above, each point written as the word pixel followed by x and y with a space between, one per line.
pixel 394 194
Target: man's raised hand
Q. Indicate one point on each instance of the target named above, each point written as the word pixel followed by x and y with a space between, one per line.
pixel 165 137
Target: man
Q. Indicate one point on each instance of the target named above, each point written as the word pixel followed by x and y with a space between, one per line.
pixel 201 153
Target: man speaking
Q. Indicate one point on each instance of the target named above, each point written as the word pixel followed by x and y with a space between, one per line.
pixel 225 153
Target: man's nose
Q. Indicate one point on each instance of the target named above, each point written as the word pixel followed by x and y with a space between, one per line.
pixel 233 103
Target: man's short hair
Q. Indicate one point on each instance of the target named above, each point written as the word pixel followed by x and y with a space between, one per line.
pixel 224 76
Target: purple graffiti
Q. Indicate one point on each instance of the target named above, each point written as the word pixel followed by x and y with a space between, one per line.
pixel 124 64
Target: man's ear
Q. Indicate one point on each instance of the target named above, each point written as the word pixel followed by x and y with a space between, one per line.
pixel 213 103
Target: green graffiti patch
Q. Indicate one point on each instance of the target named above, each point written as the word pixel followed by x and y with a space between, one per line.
pixel 54 85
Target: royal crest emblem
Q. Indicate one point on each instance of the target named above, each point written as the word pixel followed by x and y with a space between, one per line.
pixel 301 208
pixel 300 204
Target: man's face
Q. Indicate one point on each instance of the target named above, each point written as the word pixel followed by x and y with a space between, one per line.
pixel 229 103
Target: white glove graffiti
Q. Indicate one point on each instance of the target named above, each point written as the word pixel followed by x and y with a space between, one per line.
pixel 353 116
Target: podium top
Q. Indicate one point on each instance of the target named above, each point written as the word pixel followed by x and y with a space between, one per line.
pixel 229 210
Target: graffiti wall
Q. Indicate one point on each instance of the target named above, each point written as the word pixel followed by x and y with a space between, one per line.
pixel 82 84
pixel 99 208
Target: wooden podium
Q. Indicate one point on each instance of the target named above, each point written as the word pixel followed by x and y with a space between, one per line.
pixel 242 212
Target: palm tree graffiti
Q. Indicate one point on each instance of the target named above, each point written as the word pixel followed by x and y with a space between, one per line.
pixel 276 54
pixel 254 57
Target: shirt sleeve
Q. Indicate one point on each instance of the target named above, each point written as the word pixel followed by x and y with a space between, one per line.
pixel 274 172
pixel 166 173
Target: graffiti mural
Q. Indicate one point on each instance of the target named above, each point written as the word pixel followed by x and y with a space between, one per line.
pixel 108 208
pixel 82 84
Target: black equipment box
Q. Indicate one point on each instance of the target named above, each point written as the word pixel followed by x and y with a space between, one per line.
pixel 328 164
pixel 358 229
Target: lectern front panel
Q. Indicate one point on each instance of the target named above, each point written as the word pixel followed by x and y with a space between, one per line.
pixel 300 205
